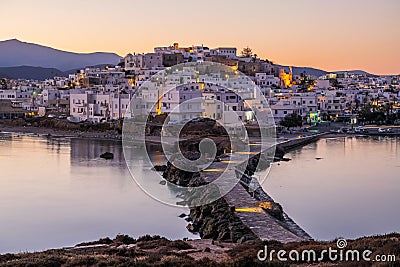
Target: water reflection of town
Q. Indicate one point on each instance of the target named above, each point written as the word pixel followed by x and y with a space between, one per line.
pixel 88 151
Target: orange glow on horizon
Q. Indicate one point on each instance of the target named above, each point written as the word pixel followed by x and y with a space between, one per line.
pixel 329 35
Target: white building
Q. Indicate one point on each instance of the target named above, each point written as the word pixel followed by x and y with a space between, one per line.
pixel 307 102
pixel 263 80
pixel 97 107
pixel 283 108
pixel 333 102
pixel 48 95
pixel 228 52
pixel 183 103
pixel 119 105
pixel 212 108
pixel 8 94
pixel 143 61
pixel 322 84
pixel 79 106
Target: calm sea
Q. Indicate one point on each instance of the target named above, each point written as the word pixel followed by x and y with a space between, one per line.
pixel 58 192
pixel 344 187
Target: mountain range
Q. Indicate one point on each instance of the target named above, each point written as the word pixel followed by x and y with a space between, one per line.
pixel 22 60
pixel 15 53
pixel 29 72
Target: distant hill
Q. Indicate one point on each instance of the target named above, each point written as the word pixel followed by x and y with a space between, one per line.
pixel 67 72
pixel 29 72
pixel 357 72
pixel 317 72
pixel 16 53
pixel 38 73
pixel 307 70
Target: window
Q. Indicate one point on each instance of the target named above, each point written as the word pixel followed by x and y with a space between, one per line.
pixel 285 112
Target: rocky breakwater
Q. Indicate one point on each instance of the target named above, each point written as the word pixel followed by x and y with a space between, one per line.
pixel 245 214
pixel 217 220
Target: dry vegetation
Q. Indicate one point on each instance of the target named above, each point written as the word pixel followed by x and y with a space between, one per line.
pixel 158 251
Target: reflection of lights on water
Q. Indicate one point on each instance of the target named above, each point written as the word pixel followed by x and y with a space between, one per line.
pixel 255 144
pixel 230 161
pixel 213 170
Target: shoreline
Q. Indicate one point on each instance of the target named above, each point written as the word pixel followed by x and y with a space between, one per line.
pixel 57 133
pixel 115 136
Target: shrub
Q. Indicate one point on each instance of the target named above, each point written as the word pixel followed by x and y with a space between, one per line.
pixel 150 238
pixel 124 239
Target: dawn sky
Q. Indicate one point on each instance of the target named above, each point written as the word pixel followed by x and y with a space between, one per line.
pixel 332 35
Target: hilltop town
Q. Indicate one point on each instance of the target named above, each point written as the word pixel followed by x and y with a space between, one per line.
pixel 102 94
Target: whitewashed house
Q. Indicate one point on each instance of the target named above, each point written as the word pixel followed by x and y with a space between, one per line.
pixel 283 108
pixel 183 102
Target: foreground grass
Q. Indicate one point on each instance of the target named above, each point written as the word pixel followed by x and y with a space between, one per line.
pixel 158 251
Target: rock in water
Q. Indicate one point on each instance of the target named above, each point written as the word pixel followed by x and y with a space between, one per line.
pixel 159 168
pixel 107 155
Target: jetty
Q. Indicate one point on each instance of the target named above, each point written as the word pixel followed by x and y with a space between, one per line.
pixel 248 194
